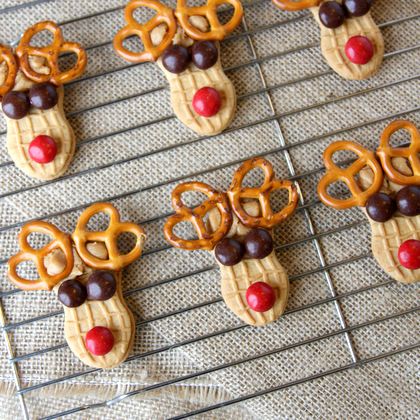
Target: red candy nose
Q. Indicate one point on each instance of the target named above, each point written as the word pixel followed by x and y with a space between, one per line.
pixel 260 296
pixel 42 149
pixel 409 254
pixel 207 102
pixel 359 50
pixel 99 341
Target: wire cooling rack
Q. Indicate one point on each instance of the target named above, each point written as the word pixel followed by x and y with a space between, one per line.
pixel 344 313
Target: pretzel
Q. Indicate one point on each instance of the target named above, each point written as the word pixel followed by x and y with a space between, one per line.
pixel 51 55
pixel 7 57
pixel 151 52
pixel 347 175
pixel 411 153
pixel 60 241
pixel 207 240
pixel 296 5
pixel 109 237
pixel 209 11
pixel 237 193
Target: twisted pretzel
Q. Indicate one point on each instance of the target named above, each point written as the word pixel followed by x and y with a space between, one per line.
pixel 411 153
pixel 60 241
pixel 7 57
pixel 151 52
pixel 109 237
pixel 51 55
pixel 293 6
pixel 209 11
pixel 347 175
pixel 237 193
pixel 207 240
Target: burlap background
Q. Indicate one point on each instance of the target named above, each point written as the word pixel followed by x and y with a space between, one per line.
pixel 133 152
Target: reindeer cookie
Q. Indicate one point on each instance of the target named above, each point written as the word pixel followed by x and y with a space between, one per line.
pixel 184 44
pixel 84 270
pixel 254 284
pixel 351 42
pixel 40 140
pixel 389 189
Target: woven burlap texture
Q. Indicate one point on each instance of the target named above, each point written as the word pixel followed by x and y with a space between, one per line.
pixel 132 151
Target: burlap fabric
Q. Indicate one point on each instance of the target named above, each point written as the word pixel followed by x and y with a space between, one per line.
pixel 133 152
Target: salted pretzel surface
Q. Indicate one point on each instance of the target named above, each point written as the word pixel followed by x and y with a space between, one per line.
pixel 8 59
pixel 348 175
pixel 386 153
pixel 237 194
pixel 164 15
pixel 109 237
pixel 59 240
pixel 295 5
pixel 217 31
pixel 206 239
pixel 51 54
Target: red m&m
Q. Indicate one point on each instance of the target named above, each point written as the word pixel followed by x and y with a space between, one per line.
pixel 409 254
pixel 260 296
pixel 207 102
pixel 42 149
pixel 99 341
pixel 359 49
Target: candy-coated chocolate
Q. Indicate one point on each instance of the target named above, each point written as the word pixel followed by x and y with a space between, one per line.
pixel 409 254
pixel 176 58
pixel 380 207
pixel 332 14
pixel 99 341
pixel 204 54
pixel 359 49
pixel 260 296
pixel 207 102
pixel 258 243
pixel 101 285
pixel 43 96
pixel 356 8
pixel 229 252
pixel 408 200
pixel 72 293
pixel 42 149
pixel 16 105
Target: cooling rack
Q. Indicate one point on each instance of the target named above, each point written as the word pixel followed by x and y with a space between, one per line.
pixel 347 328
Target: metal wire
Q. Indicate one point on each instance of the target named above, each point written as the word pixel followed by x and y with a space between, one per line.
pixel 313 237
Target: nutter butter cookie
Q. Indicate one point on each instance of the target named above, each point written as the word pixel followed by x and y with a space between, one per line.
pixel 40 140
pixel 388 187
pixel 351 42
pixel 84 270
pixel 236 226
pixel 184 44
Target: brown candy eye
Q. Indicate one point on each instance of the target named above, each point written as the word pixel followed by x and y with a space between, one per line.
pixel 258 243
pixel 72 293
pixel 16 105
pixel 204 54
pixel 43 96
pixel 101 285
pixel 229 252
pixel 356 8
pixel 332 14
pixel 408 200
pixel 380 207
pixel 176 58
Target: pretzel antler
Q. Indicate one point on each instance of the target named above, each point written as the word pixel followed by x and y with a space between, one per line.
pixel 207 240
pixel 294 5
pixel 386 153
pixel 237 193
pixel 51 54
pixel 60 241
pixel 347 175
pixel 109 237
pixel 164 15
pixel 209 11
pixel 9 60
